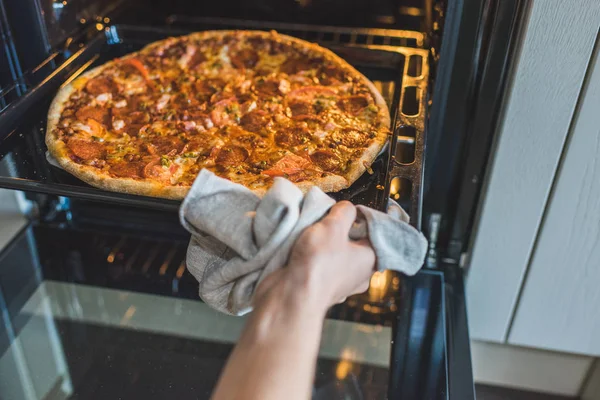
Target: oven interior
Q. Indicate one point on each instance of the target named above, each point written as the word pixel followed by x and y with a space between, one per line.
pixel 392 43
pixel 409 48
pixel 442 65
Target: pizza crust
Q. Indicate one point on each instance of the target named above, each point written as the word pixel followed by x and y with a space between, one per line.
pixel 102 180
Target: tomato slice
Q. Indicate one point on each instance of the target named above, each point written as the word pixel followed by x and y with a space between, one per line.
pixel 96 127
pixel 137 64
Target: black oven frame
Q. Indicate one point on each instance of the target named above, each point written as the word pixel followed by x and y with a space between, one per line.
pixel 470 84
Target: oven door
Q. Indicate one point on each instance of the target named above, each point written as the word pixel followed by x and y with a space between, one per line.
pixel 95 313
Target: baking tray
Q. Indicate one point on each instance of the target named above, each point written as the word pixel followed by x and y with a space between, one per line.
pixel 400 73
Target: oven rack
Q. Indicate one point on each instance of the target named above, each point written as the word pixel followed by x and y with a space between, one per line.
pixel 141 262
pixel 406 89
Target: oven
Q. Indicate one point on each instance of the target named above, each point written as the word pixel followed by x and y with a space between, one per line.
pixel 96 299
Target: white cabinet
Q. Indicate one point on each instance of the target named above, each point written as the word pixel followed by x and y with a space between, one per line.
pixel 534 264
pixel 559 308
pixel 555 53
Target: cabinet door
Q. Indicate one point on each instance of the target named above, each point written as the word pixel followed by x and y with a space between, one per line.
pixel 548 75
pixel 559 308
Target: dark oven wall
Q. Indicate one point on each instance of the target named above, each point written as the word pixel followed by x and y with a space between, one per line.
pixel 399 14
pixel 39 25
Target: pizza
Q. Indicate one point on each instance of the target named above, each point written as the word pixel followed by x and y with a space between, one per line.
pixel 247 105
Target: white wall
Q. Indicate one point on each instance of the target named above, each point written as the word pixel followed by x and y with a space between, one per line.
pixel 534 277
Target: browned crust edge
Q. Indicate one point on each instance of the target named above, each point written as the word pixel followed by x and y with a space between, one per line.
pixel 102 180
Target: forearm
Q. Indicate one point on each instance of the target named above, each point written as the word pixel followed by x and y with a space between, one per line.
pixel 276 354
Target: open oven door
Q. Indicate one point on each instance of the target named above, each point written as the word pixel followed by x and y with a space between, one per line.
pixel 94 314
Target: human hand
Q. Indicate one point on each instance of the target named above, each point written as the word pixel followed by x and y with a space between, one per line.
pixel 290 304
pixel 325 263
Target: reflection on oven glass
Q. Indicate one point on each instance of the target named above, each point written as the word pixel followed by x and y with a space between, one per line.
pixel 383 295
pixel 67 340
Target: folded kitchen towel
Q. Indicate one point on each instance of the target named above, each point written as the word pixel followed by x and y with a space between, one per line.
pixel 239 238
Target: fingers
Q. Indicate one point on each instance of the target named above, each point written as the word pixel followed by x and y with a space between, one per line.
pixel 342 215
pixel 364 261
pixel 365 253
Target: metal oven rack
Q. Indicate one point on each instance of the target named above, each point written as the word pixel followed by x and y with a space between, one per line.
pixel 400 72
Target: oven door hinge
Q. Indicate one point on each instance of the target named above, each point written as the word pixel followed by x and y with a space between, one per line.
pixel 433 228
pixel 433 254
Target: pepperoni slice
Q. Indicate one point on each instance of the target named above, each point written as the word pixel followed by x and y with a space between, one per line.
pixel 207 87
pixel 192 57
pixel 198 143
pixel 290 137
pixel 300 108
pixel 101 85
pixel 267 87
pixel 231 156
pixel 326 160
pixel 166 144
pixel 133 122
pixel 302 176
pixel 98 114
pixel 293 65
pixel 350 137
pixel 245 58
pixel 197 59
pixel 262 45
pixel 256 121
pixel 247 139
pixel 331 75
pixel 353 104
pixel 127 169
pixel 289 165
pixel 86 150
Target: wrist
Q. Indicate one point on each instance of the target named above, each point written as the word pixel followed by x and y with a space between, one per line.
pixel 296 293
pixel 304 290
pixel 278 300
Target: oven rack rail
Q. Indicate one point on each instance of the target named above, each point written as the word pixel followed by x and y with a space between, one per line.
pixel 407 129
pixel 26 80
pixel 313 33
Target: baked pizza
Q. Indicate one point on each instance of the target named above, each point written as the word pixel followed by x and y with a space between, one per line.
pixel 247 105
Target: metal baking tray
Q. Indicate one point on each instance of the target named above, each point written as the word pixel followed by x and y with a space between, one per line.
pixel 400 74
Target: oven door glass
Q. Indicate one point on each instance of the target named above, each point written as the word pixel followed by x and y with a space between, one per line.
pixel 100 315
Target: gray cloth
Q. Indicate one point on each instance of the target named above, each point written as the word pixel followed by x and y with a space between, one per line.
pixel 239 238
